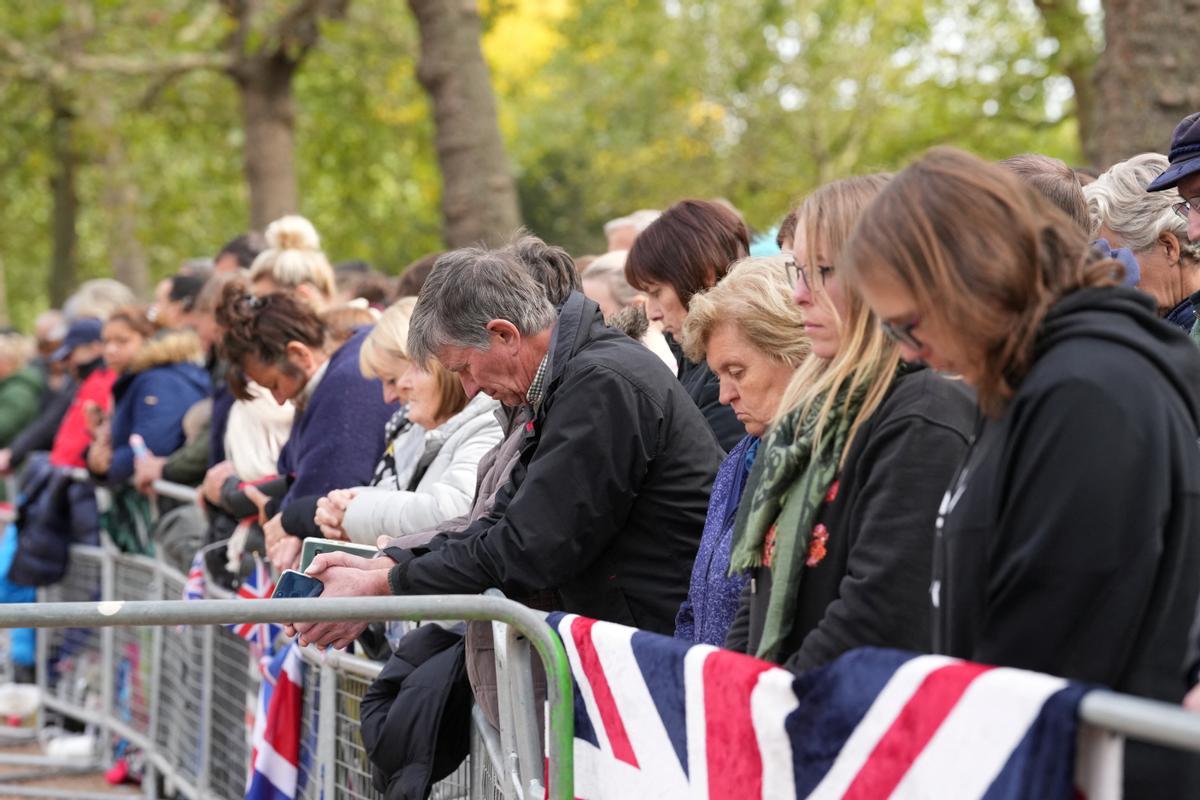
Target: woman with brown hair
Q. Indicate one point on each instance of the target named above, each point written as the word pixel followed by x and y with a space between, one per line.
pixel 835 523
pixel 1067 541
pixel 686 250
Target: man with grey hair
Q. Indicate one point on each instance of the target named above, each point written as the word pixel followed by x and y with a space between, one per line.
pixel 606 502
pixel 622 231
pixel 1127 215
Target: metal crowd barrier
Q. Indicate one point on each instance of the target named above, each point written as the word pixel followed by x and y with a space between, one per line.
pixel 179 697
pixel 179 694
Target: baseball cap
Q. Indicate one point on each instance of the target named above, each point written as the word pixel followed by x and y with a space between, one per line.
pixel 1184 155
pixel 82 331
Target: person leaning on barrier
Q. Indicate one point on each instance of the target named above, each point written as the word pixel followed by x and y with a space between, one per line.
pixel 1067 542
pixel 836 519
pixel 607 499
pixel 751 333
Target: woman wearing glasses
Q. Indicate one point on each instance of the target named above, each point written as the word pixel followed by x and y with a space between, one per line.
pixel 1069 540
pixel 835 526
pixel 1154 225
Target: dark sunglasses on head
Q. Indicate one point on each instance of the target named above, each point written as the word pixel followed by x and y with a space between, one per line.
pixel 902 332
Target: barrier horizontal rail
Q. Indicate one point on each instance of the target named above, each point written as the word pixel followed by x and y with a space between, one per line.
pixel 531 624
pixel 175 491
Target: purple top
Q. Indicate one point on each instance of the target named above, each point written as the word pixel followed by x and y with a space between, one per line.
pixel 713 596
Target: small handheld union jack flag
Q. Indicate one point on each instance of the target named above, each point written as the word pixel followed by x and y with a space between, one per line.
pixel 257 586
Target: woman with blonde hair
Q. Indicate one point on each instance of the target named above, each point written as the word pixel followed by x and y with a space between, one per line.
pixel 752 336
pixel 294 262
pixel 434 443
pixel 1067 541
pixel 836 524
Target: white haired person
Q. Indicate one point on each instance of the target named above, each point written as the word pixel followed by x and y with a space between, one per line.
pixel 1129 216
pixel 622 231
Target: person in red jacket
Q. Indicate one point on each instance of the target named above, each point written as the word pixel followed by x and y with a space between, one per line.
pixel 82 349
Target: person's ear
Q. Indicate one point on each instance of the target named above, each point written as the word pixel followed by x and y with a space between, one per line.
pixel 311 296
pixel 1170 245
pixel 301 357
pixel 506 332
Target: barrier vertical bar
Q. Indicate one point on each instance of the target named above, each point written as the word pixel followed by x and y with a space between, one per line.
pixel 156 660
pixel 327 730
pixel 107 646
pixel 203 780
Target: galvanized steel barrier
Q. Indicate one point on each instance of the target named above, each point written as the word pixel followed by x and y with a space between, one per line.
pixel 180 696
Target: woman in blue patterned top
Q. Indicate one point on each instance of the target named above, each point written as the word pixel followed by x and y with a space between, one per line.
pixel 752 335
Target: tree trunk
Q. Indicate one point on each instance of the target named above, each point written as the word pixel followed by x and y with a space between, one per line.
pixel 1145 81
pixel 5 317
pixel 269 116
pixel 120 198
pixel 479 195
pixel 66 199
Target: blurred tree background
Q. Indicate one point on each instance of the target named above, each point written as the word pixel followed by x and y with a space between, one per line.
pixel 134 132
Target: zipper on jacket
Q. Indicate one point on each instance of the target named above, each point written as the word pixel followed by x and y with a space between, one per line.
pixel 954 493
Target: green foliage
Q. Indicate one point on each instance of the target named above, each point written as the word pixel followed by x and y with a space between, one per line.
pixel 607 106
pixel 759 102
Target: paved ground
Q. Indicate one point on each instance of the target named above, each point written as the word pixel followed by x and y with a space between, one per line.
pixel 81 783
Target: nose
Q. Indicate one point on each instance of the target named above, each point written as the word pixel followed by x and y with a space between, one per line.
pixel 727 394
pixel 911 354
pixel 469 385
pixel 653 311
pixel 389 393
pixel 1193 225
pixel 279 396
pixel 800 293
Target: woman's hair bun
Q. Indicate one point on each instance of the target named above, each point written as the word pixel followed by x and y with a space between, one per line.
pixel 292 232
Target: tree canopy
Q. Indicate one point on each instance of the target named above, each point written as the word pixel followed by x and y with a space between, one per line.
pixel 605 106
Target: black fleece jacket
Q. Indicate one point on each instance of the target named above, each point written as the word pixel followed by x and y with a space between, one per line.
pixel 1070 539
pixel 871 586
pixel 608 496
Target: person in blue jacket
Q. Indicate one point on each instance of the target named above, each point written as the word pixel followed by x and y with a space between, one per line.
pixel 161 377
pixel 280 343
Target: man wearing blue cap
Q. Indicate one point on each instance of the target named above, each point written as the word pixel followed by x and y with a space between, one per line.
pixel 1184 172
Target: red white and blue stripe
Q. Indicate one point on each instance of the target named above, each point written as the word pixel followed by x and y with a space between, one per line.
pixel 257 586
pixel 275 738
pixel 657 717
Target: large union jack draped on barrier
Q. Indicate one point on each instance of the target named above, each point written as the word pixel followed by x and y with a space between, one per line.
pixel 656 717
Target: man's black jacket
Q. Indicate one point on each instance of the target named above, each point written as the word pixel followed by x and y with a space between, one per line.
pixel 607 500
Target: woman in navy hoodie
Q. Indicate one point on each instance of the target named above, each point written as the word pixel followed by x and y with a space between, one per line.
pixel 279 342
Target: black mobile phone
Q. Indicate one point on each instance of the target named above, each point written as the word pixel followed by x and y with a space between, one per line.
pixel 295 584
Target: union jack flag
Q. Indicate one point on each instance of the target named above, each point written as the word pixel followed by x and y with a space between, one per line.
pixel 193 589
pixel 657 717
pixel 257 586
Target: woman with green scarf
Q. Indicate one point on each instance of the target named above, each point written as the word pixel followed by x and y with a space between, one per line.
pixel 836 526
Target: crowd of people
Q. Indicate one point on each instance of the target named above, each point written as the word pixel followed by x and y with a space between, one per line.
pixel 957 411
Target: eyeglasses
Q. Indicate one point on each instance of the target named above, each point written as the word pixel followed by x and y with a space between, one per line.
pixel 797 272
pixel 902 332
pixel 1182 208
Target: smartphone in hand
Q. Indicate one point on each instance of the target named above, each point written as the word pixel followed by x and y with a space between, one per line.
pixel 314 546
pixel 295 584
